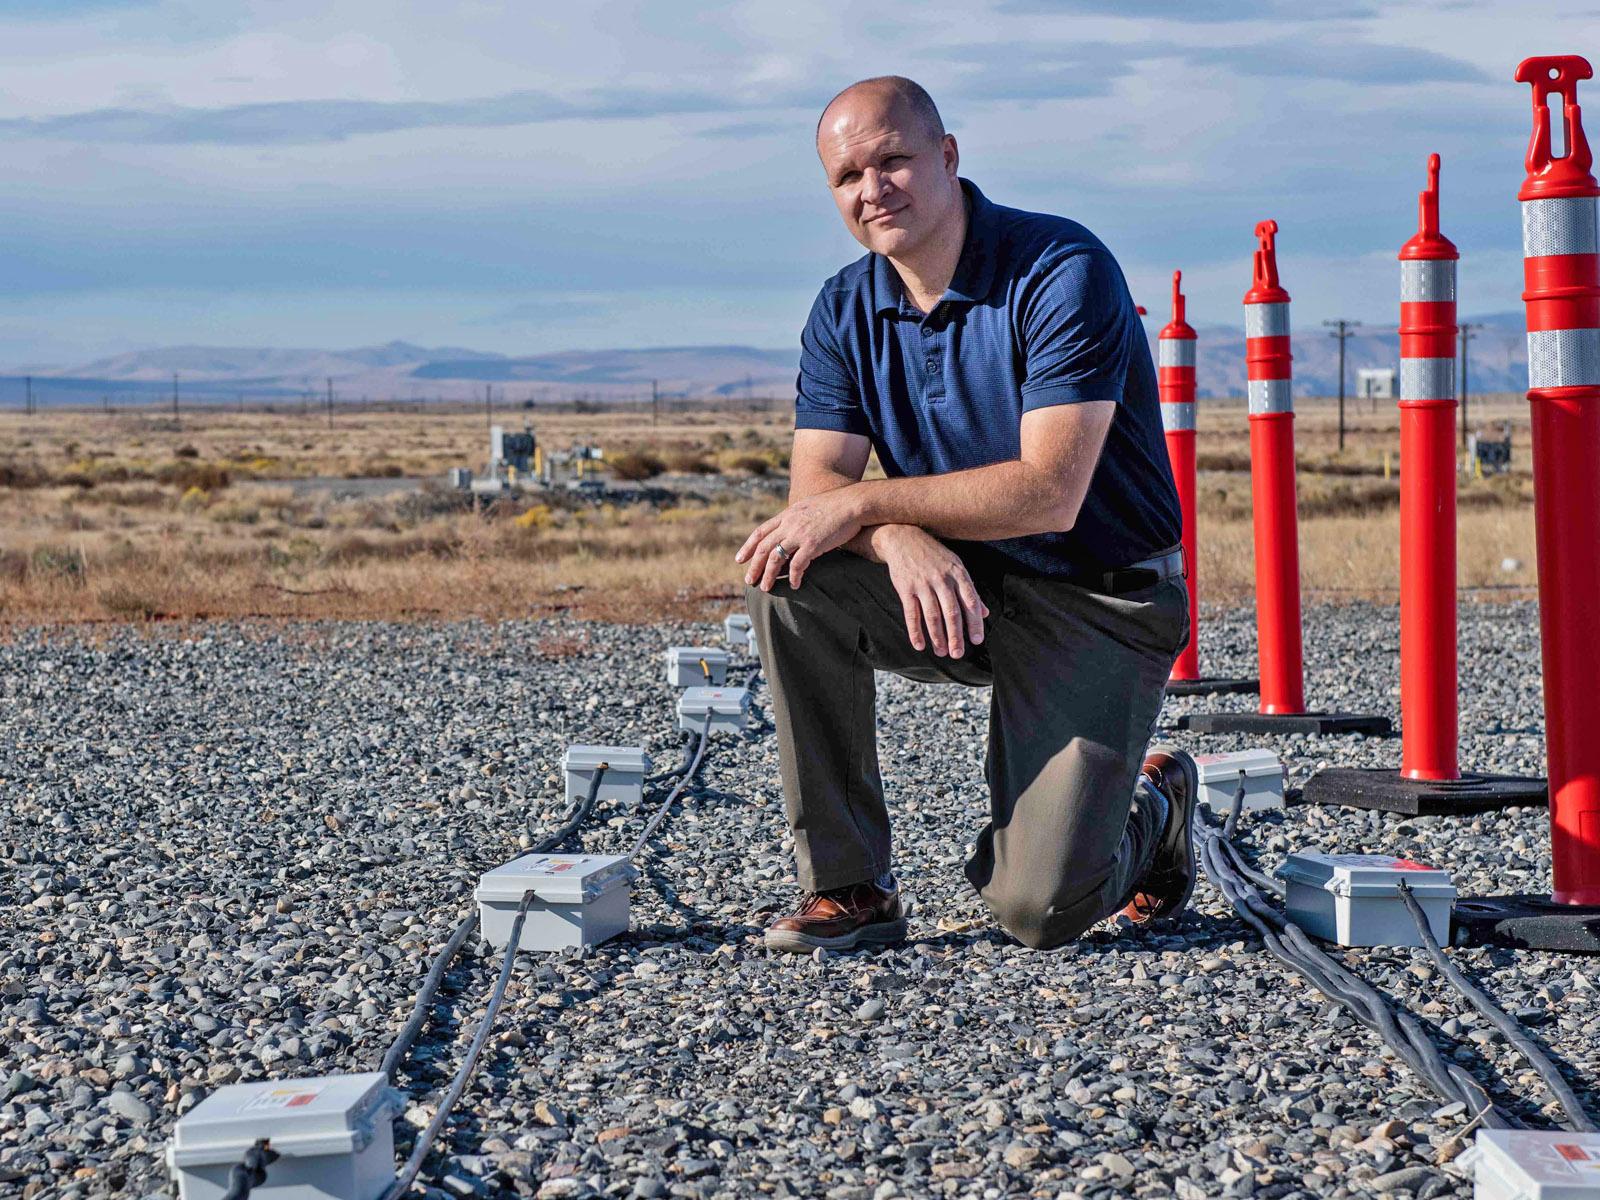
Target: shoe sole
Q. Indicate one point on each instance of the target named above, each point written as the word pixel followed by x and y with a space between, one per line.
pixel 804 943
pixel 1191 779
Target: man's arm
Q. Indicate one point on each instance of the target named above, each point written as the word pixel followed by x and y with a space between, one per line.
pixel 823 461
pixel 1039 492
pixel 936 591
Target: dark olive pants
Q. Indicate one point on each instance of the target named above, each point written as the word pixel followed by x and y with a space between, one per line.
pixel 1077 678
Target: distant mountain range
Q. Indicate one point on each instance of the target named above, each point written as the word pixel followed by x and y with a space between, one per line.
pixel 402 371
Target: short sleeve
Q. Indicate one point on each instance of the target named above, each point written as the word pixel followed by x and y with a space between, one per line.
pixel 1076 323
pixel 826 394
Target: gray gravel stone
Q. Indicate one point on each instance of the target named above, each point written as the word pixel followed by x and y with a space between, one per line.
pixel 271 830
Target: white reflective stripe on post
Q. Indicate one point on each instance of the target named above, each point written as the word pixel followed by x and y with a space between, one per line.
pixel 1175 352
pixel 1270 396
pixel 1427 379
pixel 1565 225
pixel 1266 320
pixel 1176 417
pixel 1563 357
pixel 1427 280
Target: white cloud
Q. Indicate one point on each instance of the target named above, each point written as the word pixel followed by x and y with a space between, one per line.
pixel 649 155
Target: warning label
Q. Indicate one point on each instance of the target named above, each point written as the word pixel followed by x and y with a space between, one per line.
pixel 289 1096
pixel 1552 1161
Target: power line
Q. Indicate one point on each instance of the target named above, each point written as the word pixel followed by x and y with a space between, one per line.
pixel 1342 329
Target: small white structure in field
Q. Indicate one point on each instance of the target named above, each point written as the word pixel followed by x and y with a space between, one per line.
pixel 1375 383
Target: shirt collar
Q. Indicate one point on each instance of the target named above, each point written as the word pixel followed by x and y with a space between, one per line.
pixel 974 270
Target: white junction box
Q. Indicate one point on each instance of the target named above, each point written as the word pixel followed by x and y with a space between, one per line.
pixel 1220 774
pixel 579 900
pixel 1354 899
pixel 736 628
pixel 623 780
pixel 727 709
pixel 687 666
pixel 1534 1164
pixel 333 1134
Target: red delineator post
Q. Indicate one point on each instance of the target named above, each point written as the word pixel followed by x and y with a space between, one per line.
pixel 1428 496
pixel 1429 782
pixel 1561 274
pixel 1277 535
pixel 1561 271
pixel 1175 363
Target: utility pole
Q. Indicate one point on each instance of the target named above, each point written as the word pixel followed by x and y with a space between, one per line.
pixel 655 402
pixel 1342 330
pixel 488 405
pixel 27 402
pixel 174 395
pixel 330 402
pixel 1465 335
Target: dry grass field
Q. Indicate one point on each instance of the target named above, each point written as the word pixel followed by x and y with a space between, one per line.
pixel 137 515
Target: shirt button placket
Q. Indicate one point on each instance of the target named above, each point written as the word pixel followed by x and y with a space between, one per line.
pixel 933 387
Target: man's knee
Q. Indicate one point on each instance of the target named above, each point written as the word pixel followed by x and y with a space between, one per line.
pixel 826 577
pixel 1034 921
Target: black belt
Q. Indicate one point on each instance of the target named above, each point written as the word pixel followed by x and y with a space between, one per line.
pixel 1147 572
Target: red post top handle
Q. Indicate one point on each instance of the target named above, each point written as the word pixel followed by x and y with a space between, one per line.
pixel 1265 261
pixel 1428 241
pixel 1557 74
pixel 1428 201
pixel 1177 298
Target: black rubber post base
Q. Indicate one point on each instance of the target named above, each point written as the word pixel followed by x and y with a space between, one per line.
pixel 1285 723
pixel 1527 923
pixel 1390 791
pixel 1213 687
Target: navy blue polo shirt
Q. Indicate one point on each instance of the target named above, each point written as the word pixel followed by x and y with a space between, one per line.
pixel 1037 314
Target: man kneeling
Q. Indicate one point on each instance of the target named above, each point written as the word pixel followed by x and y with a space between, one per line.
pixel 1026 539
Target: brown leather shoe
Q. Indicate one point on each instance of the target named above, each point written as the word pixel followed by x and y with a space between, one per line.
pixel 1168 882
pixel 840 919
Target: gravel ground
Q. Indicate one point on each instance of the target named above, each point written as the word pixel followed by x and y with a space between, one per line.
pixel 231 852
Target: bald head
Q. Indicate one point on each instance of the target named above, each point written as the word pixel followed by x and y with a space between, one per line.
pixel 892 169
pixel 893 96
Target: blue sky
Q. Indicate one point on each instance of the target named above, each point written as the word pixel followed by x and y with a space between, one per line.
pixel 533 177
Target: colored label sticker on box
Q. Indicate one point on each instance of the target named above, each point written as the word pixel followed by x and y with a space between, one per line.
pixel 284 1097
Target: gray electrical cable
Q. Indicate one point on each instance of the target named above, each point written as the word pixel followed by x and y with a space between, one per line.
pixel 577 816
pixel 673 772
pixel 430 987
pixel 1541 1062
pixel 690 772
pixel 250 1172
pixel 1263 881
pixel 425 1140
pixel 1289 944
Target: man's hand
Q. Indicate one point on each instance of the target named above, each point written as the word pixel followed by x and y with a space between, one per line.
pixel 935 590
pixel 807 529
